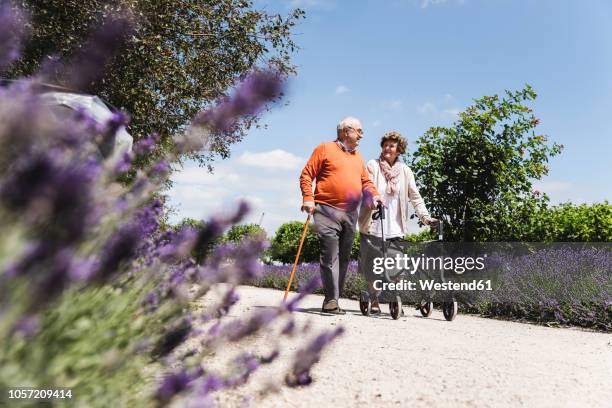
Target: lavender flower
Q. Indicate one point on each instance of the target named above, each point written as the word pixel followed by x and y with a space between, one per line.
pixel 174 337
pixel 146 145
pixel 12 30
pixel 307 357
pixel 124 164
pixel 89 64
pixel 161 169
pixel 27 326
pixel 120 248
pixel 229 300
pixel 249 99
pixel 176 382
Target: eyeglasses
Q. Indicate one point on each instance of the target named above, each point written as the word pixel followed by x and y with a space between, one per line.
pixel 358 131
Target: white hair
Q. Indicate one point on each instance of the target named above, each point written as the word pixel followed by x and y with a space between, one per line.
pixel 349 121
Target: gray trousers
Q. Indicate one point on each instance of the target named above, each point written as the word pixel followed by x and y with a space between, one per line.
pixel 336 231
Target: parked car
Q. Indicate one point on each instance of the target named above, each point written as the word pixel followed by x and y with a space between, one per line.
pixel 62 101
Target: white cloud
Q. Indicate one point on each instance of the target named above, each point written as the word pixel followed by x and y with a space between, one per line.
pixel 552 186
pixel 376 123
pixel 198 194
pixel 310 4
pixel 200 176
pixel 454 113
pixel 427 3
pixel 426 108
pixel 340 89
pixel 432 109
pixel 275 159
pixel 394 105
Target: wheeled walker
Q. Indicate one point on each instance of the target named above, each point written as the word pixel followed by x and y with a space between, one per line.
pixel 425 306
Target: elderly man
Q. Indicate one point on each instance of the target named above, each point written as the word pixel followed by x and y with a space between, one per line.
pixel 341 182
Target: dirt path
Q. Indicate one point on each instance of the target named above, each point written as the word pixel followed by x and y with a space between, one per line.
pixel 418 362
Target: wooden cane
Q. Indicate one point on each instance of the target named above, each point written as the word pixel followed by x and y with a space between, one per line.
pixel 297 257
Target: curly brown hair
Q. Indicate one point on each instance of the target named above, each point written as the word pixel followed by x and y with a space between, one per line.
pixel 397 137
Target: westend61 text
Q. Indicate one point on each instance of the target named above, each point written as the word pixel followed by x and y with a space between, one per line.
pixel 411 264
pixel 433 285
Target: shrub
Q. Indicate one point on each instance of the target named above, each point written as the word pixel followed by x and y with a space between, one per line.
pixel 239 232
pixel 578 223
pixel 425 235
pixel 287 240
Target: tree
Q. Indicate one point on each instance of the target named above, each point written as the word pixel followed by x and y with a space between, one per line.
pixel 479 172
pixel 181 56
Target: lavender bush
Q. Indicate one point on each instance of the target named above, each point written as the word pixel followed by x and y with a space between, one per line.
pixel 558 286
pixel 568 285
pixel 92 290
pixel 277 277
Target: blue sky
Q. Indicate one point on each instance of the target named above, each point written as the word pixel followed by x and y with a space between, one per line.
pixel 407 65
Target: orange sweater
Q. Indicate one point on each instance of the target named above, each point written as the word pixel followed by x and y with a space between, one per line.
pixel 341 177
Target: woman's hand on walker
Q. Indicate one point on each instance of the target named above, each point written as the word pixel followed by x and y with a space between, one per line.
pixel 431 221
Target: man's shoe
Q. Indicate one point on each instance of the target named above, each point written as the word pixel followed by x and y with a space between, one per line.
pixel 331 307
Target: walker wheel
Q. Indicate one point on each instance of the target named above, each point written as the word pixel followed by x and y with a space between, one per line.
pixel 395 308
pixel 449 310
pixel 364 304
pixel 426 308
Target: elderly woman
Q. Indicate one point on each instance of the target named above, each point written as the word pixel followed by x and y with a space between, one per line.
pixel 396 180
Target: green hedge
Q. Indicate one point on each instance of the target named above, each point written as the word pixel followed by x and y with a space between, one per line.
pixel 578 223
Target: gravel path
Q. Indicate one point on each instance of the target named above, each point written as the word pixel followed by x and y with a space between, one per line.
pixel 418 362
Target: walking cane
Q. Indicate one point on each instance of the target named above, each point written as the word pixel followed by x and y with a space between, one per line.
pixel 297 257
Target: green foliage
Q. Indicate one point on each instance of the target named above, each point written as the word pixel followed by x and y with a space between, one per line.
pixel 577 223
pixel 355 247
pixel 425 235
pixel 287 240
pixel 182 56
pixel 239 232
pixel 479 172
pixel 86 345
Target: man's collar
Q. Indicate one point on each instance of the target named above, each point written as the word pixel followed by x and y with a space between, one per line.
pixel 343 147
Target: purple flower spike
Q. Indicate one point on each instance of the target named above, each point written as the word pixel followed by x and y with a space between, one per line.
pixel 249 99
pixel 213 383
pixel 308 288
pixel 121 247
pixel 12 30
pixel 160 169
pixel 146 145
pixel 27 326
pixel 124 164
pixel 89 65
pixel 307 357
pixel 229 300
pixel 175 383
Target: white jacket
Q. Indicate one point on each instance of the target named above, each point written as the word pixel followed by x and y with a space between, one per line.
pixel 408 192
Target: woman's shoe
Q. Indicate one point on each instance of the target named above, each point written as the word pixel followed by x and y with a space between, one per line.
pixel 375 308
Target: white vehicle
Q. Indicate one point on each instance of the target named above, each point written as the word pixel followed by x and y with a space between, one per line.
pixel 62 101
pixel 98 110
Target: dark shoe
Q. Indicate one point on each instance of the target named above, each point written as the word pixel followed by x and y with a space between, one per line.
pixel 375 308
pixel 331 307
